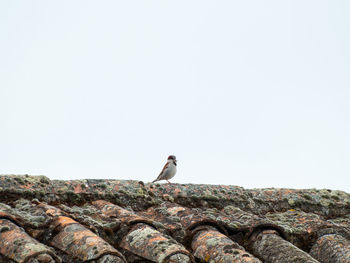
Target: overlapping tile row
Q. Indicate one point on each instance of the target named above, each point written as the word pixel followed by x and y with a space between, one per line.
pixel 231 220
pixel 300 228
pixel 260 201
pixel 209 224
pixel 142 239
pixel 71 241
pixel 72 238
pixel 129 221
pixel 206 232
pixel 140 196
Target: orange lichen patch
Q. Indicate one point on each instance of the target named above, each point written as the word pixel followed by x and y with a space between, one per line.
pixel 158 238
pixel 3 214
pixel 116 188
pixel 287 191
pixel 50 210
pixel 78 189
pixel 177 192
pixel 268 192
pixel 175 210
pixel 15 244
pixel 62 221
pixel 302 220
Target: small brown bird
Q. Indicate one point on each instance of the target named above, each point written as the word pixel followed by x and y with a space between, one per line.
pixel 169 169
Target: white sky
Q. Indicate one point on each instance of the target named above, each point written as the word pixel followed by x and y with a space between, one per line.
pixel 249 93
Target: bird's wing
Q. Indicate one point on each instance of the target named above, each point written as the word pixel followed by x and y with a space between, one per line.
pixel 164 168
pixel 162 172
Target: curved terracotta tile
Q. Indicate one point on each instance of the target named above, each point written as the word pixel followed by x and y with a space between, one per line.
pixel 331 248
pixel 142 239
pixel 18 246
pixel 148 243
pixel 79 242
pixel 209 245
pixel 270 247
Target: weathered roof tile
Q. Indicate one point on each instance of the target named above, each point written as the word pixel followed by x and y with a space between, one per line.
pixel 209 245
pixel 151 244
pixel 331 248
pixel 80 243
pixel 270 247
pixel 142 239
pixel 17 245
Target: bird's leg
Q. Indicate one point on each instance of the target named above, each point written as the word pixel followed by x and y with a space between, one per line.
pixel 168 182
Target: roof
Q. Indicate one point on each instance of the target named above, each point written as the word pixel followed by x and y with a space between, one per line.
pixel 115 221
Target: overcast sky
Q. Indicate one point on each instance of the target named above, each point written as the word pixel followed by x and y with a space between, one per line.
pixel 248 93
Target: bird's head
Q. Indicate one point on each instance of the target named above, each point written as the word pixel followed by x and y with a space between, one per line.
pixel 172 158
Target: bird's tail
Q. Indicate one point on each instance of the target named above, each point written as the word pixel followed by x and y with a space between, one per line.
pixel 155 180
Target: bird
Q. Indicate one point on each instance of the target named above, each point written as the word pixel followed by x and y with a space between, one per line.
pixel 169 169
